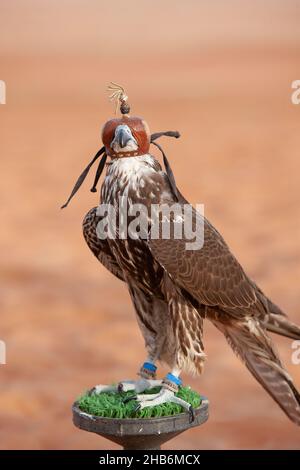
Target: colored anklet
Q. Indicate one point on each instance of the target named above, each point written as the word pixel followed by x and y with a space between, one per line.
pixel 171 382
pixel 148 370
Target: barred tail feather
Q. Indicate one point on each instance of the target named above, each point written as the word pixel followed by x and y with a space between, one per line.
pixel 251 343
pixel 282 326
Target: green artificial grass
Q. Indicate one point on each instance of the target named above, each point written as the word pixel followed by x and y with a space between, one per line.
pixel 110 405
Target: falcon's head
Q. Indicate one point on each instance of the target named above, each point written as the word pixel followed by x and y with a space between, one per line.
pixel 126 137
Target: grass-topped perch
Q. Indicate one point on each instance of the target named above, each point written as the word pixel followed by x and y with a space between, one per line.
pixel 110 405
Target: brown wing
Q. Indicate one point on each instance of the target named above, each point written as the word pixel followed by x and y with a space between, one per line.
pixel 211 274
pixel 99 248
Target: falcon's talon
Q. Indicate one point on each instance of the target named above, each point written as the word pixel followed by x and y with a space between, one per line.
pixel 137 408
pixel 129 398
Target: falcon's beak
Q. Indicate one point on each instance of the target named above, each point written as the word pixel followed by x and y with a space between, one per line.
pixel 124 139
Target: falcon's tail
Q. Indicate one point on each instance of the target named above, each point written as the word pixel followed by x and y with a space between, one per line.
pixel 276 321
pixel 251 343
pixel 282 326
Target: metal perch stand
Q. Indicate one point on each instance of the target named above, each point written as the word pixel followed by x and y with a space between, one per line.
pixel 140 433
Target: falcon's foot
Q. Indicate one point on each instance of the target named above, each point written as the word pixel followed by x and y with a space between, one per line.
pixel 170 386
pixel 137 386
pixel 147 373
pixel 164 396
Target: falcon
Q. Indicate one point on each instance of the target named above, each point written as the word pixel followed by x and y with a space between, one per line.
pixel 174 289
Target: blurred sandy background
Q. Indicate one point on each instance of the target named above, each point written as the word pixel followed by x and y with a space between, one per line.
pixel 221 73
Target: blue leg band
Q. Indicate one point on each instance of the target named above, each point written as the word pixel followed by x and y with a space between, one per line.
pixel 172 378
pixel 149 366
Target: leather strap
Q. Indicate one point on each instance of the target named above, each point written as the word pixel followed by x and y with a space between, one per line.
pixel 125 155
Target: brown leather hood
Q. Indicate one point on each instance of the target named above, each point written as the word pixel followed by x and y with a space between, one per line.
pixel 140 132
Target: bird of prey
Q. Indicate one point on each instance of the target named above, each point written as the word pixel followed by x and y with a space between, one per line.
pixel 174 289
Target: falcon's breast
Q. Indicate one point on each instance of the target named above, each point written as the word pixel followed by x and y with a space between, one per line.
pixel 130 182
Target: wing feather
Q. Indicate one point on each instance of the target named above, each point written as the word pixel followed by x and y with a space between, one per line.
pixel 100 248
pixel 211 274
